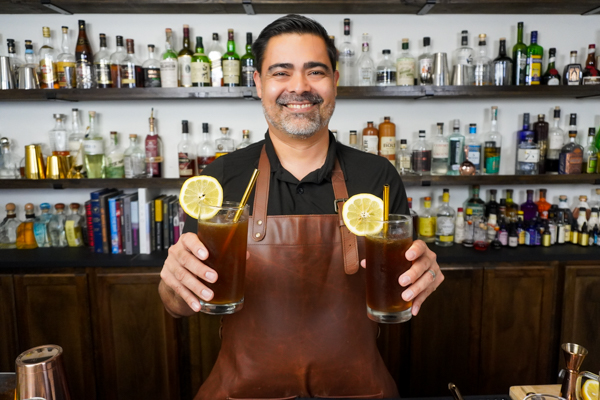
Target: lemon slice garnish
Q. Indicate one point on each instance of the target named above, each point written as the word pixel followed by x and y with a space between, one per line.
pixel 363 213
pixel 205 188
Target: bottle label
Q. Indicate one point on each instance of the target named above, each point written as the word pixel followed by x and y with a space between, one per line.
pixel 128 165
pixel 201 72
pixel 103 73
pixel 128 75
pixel 73 233
pixel 426 226
pixel 388 147
pixel 405 163
pixel 231 72
pixel 93 147
pixel 41 234
pixel 459 233
pixel 570 163
pixel 185 70
pixel 556 142
pixel 528 155
pixel 445 227
pixel 370 143
pixel 248 76
pixel 386 77
pixel 216 69
pixel 425 70
pixel 455 154
pixel 535 70
pixel 592 164
pixel 168 73
pixel 151 77
pixel 553 81
pixel 48 73
pixel 365 76
pixel 492 165
pixel 574 72
pixel 440 150
pixel 75 149
pixel 115 161
pixel 185 165
pixel 405 70
pixel 62 75
pixel 513 241
pixel 421 161
pixel 153 157
pixel 474 154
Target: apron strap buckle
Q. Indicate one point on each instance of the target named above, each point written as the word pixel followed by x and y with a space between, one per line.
pixel 335 203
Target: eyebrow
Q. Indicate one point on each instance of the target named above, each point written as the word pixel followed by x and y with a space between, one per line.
pixel 307 65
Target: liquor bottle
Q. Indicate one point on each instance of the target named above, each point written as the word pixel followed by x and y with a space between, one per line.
pixel 528 157
pixel 492 206
pixel 231 63
pixel 65 63
pixel 84 60
pixel 216 68
pixel 76 138
pixel 427 222
pixel 483 64
pixel 151 68
pixel 8 228
pixel 584 236
pixel 224 144
pixel 560 228
pixel 473 149
pixel 426 63
pixel 468 233
pixel 476 205
pixel 154 150
pixel 58 136
pixel 572 73
pixel 200 65
pixel 134 159
pixel 492 146
pixel 74 226
pixel 40 226
pixel 405 66
pixel 590 154
pixel 206 149
pixel 421 155
pixel 365 65
pixel 9 162
pixel 593 220
pixel 503 234
pixel 245 140
pixel 597 143
pixel 464 56
pixel 492 225
pixel 571 155
pixel 439 160
pixel 347 58
pixel 30 59
pixel 525 132
pixel 552 76
pixel 184 59
pixel 540 129
pixel 513 236
pixel 387 140
pixel 529 208
pixel 404 159
pixel 582 204
pixel 115 164
pixel 370 138
pixel 386 70
pixel 116 59
pixel 459 227
pixel 580 217
pixel 456 149
pixel 567 217
pixel 169 63
pixel 556 139
pixel 542 205
pixel 248 62
pixel 519 58
pixel 102 65
pixel 414 216
pixel 56 227
pixel 48 57
pixel 25 235
pixel 353 141
pixel 503 66
pixel 444 233
pixel 132 74
pixel 574 234
pixel 535 54
pixel 15 62
pixel 502 209
pixel 93 148
pixel 590 75
pixel 185 150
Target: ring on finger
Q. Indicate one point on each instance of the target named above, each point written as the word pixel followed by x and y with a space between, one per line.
pixel 432 274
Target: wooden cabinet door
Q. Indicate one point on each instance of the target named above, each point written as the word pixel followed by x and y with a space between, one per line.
pixel 135 337
pixel 581 313
pixel 8 328
pixel 518 326
pixel 54 309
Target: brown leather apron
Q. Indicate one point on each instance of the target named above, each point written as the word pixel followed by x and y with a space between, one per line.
pixel 304 330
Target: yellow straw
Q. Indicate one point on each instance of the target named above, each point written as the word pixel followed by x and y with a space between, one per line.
pixel 246 195
pixel 386 207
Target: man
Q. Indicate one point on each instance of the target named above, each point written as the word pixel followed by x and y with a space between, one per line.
pixel 303 330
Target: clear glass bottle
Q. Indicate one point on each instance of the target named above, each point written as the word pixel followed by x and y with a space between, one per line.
pixel 102 65
pixel 464 56
pixel 76 138
pixel 206 149
pixel 528 157
pixel 15 62
pixel 365 64
pixel 473 148
pixel 503 67
pixel 427 222
pixel 40 226
pixel 405 66
pixel 482 64
pixel 468 232
pixel 475 203
pixel 151 69
pixel 439 160
pixel 459 226
pixel 215 53
pixel 245 140
pixel 93 147
pixel 131 74
pixel 573 73
pixel 184 59
pixel 386 70
pixel 353 140
pixel 56 227
pixel 154 150
pixel 9 163
pixel 116 59
pixel 556 141
pixel 169 64
pixel 58 136
pixel 65 63
pixel 134 159
pixel 492 147
pixel 74 226
pixel 456 145
pixel 347 58
pixel 48 57
pixel 421 155
pixel 224 144
pixel 571 155
pixel 444 234
pixel 403 159
pixel 185 153
pixel 590 154
pixel 115 164
pixel 25 235
pixel 8 228
pixel 426 63
pixel 231 63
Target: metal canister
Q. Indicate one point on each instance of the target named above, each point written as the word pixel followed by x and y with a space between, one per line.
pixel 40 373
pixel 39 157
pixel 31 163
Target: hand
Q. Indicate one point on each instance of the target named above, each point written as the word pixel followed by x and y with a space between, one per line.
pixel 418 281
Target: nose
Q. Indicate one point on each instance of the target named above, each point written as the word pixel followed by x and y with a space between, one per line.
pixel 299 83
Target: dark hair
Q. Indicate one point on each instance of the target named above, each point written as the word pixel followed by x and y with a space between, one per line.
pixel 292 23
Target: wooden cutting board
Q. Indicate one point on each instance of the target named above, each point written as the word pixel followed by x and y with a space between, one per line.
pixel 519 392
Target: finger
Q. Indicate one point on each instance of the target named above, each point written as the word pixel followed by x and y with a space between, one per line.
pixel 421 264
pixel 418 301
pixel 192 244
pixel 363 263
pixel 182 257
pixel 416 250
pixel 427 281
pixel 185 285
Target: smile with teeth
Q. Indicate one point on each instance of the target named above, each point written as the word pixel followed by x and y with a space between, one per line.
pixel 299 106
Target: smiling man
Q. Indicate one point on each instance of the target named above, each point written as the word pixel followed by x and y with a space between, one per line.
pixel 303 331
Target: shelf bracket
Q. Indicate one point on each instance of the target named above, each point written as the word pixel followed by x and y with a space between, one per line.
pixel 425 183
pixel 593 11
pixel 247 4
pixel 426 7
pixel 54 7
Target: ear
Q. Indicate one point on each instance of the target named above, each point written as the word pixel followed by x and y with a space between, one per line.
pixel 258 84
pixel 336 78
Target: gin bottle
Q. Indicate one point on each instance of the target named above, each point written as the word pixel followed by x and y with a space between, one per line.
pixel 8 228
pixel 483 64
pixel 476 205
pixel 464 56
pixel 224 144
pixel 444 233
pixel 347 58
pixel 185 153
pixel 93 147
pixel 40 226
pixel 74 226
pixel 56 227
pixel 365 65
pixel 427 222
pixel 25 235
pixel 456 143
pixel 245 140
pixel 473 148
pixel 134 159
pixel 58 136
pixel 405 66
pixel 528 157
pixel 115 167
pixel 206 149
pixel 439 161
pixel 492 147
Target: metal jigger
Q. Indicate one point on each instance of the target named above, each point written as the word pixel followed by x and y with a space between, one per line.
pixel 53 168
pixel 574 355
pixel 6 76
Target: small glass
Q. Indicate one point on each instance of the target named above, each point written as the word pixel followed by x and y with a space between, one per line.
pixel 386 261
pixel 226 242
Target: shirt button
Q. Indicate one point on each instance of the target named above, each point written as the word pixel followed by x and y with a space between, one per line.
pixel 300 190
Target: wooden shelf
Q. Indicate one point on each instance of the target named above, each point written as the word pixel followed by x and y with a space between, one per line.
pixel 166 183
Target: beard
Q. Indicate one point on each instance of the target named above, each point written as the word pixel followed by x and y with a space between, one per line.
pixel 300 125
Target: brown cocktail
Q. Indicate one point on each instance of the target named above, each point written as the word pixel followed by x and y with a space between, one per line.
pixel 386 261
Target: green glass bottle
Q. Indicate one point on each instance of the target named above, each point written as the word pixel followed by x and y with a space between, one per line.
pixel 231 63
pixel 597 143
pixel 519 57
pixel 200 65
pixel 184 58
pixel 248 63
pixel 535 55
pixel 168 64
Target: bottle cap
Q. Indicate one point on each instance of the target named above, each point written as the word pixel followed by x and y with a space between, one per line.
pixel 426 41
pixel 402 141
pixel 46 31
pixel 591 131
pixel 59 206
pixel 10 207
pixel 44 206
pixel 427 198
pixel 28 207
pixel 74 206
pixel 184 126
pixel 205 127
pixel 386 51
pixel 421 133
pixel 460 209
pixel 133 135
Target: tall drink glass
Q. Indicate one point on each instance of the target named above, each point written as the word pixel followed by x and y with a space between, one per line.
pixel 226 242
pixel 386 261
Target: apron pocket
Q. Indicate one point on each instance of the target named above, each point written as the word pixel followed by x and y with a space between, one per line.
pixel 363 396
pixel 266 398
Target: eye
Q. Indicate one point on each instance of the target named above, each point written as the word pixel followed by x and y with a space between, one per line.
pixel 281 73
pixel 316 73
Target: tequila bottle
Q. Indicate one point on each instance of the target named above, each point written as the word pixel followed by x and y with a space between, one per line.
pixel 8 228
pixel 56 227
pixel 403 159
pixel 444 234
pixel 65 63
pixel 456 143
pixel 9 163
pixel 528 157
pixel 201 65
pixel 231 63
pixel 102 65
pixel 206 149
pixel 556 140
pixel 25 235
pixel 185 153
pixel 365 65
pixel 74 226
pixel 245 140
pixel 590 154
pixel 115 166
pixel 58 136
pixel 427 222
pixel 154 150
pixel 347 58
pixel 93 147
pixel 439 161
pixel 48 58
pixel 169 64
pixel 224 144
pixel 134 159
pixel 421 155
pixel 151 69
pixel 405 66
pixel 483 64
pixel 184 59
pixel 214 54
pixel 40 226
pixel 492 147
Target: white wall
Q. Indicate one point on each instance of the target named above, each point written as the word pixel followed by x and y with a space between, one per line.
pixel 27 122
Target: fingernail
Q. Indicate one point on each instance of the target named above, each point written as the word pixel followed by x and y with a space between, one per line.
pixel 404 280
pixel 407 295
pixel 410 255
pixel 195 306
pixel 206 294
pixel 415 310
pixel 211 276
pixel 202 253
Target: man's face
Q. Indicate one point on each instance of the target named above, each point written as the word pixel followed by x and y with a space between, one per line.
pixel 297 85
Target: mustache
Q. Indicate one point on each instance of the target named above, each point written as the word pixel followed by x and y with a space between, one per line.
pixel 286 98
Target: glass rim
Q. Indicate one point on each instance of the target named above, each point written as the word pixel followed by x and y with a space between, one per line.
pixel 226 205
pixel 397 218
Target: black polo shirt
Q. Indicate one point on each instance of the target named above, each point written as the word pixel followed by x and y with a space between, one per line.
pixel 364 173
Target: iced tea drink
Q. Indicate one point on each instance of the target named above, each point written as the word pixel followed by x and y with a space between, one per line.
pixel 386 261
pixel 226 242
